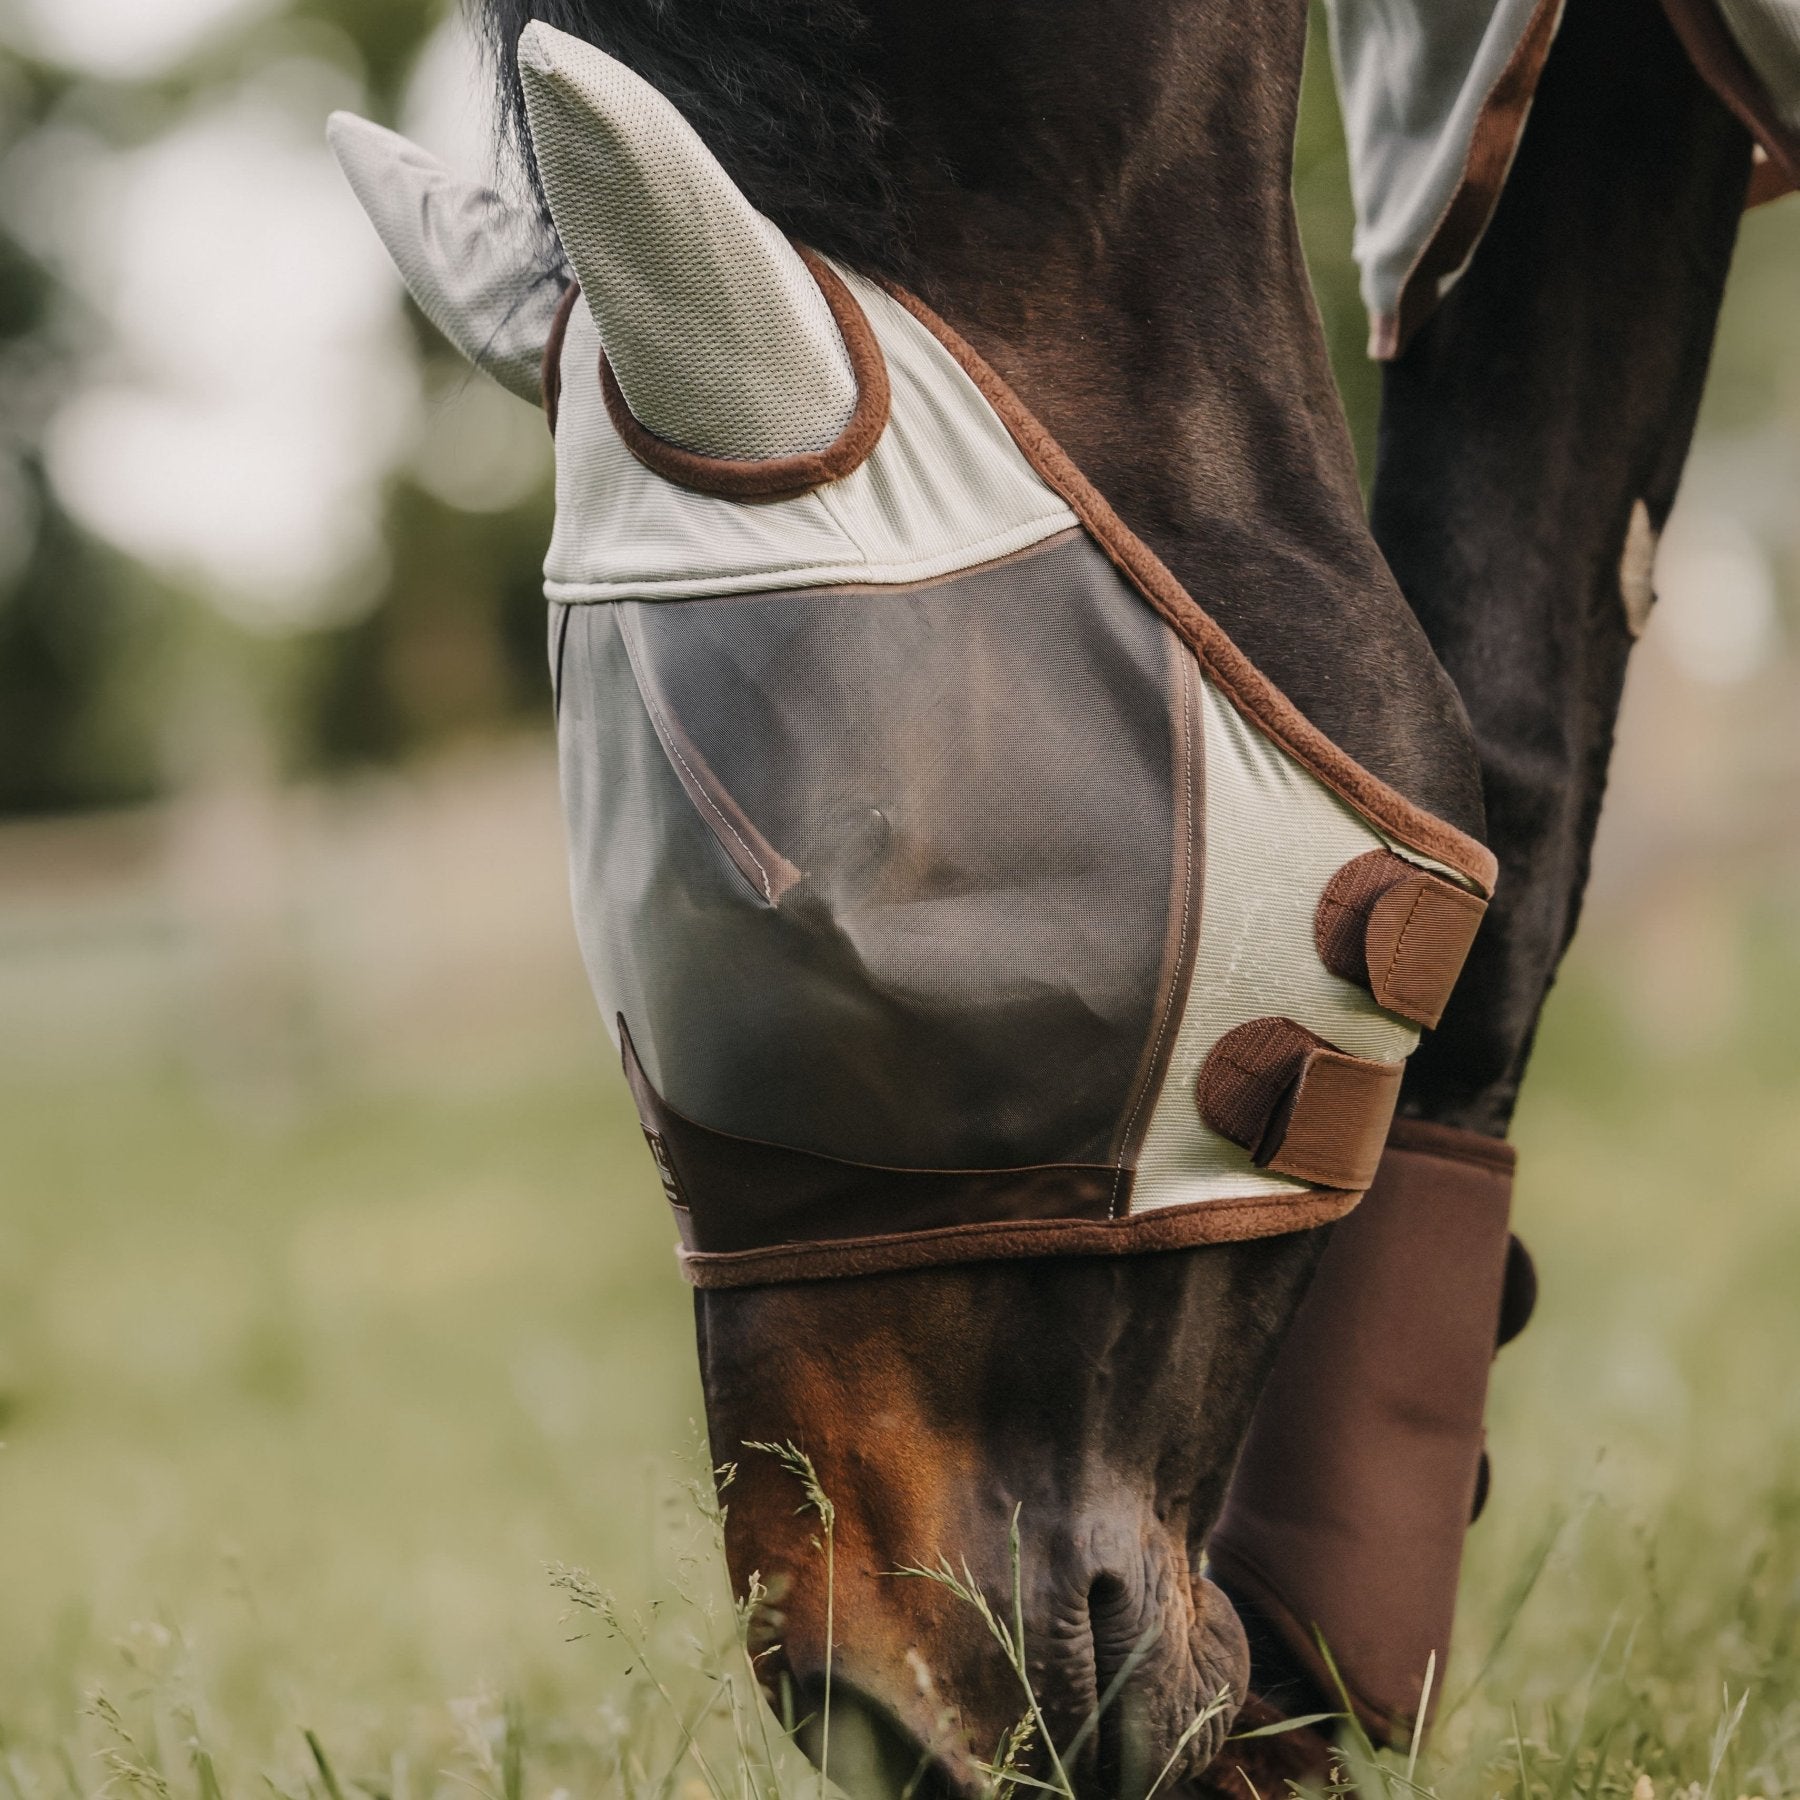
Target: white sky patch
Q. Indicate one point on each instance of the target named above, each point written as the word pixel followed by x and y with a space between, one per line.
pixel 256 388
pixel 122 39
pixel 1717 611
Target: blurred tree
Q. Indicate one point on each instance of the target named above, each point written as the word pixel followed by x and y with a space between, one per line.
pixel 66 606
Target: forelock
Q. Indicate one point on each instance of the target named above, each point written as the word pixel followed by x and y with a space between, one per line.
pixel 781 91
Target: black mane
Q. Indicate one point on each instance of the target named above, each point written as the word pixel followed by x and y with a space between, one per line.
pixel 779 90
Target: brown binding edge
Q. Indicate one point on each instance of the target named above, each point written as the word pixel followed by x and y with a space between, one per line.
pixel 776 477
pixel 550 379
pixel 1174 1228
pixel 1236 677
pixel 1725 69
pixel 1493 144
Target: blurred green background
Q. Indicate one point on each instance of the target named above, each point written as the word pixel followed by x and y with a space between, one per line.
pixel 336 1294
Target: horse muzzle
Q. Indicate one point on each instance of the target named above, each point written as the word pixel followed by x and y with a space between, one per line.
pixel 931 1466
pixel 1133 1666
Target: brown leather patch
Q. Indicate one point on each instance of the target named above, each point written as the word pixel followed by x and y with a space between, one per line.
pixel 1297 1105
pixel 1397 931
pixel 776 477
pixel 1417 941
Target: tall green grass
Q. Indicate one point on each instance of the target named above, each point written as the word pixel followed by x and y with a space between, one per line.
pixel 311 1427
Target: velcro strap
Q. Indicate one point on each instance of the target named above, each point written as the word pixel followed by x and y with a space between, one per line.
pixel 1399 931
pixel 1297 1105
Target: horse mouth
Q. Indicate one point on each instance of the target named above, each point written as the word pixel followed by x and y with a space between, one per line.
pixel 1130 1709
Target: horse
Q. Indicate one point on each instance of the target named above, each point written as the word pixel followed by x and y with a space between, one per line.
pixel 942 412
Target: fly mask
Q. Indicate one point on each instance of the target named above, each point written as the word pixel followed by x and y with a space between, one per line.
pixel 956 889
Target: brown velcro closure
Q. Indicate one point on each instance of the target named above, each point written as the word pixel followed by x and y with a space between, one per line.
pixel 1399 931
pixel 1300 1107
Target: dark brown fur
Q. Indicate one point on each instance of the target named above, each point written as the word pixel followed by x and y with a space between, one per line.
pixel 1555 388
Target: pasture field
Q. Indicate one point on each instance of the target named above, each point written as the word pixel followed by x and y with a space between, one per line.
pixel 300 1414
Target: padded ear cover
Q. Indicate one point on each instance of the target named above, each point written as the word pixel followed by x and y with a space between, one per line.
pixel 486 274
pixel 717 334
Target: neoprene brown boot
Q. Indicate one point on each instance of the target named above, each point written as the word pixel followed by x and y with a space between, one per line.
pixel 1364 1464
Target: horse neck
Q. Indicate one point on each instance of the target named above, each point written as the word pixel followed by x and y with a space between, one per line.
pixel 1100 201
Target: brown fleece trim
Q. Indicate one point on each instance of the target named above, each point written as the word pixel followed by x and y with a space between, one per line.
pixel 1450 1142
pixel 1173 1228
pixel 1492 145
pixel 1242 1578
pixel 1726 70
pixel 775 477
pixel 550 380
pixel 1236 677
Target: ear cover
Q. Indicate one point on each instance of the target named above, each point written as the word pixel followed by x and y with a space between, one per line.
pixel 716 332
pixel 486 273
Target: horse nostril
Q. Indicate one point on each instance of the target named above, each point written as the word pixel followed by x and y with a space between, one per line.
pixel 1122 1639
pixel 1117 1627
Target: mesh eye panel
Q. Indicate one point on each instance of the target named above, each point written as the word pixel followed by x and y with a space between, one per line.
pixel 962 798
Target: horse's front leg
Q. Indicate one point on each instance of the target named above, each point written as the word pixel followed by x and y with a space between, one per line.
pixel 1532 438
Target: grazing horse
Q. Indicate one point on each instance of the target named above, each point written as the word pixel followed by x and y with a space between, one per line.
pixel 1019 827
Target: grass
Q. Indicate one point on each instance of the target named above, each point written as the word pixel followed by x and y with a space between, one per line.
pixel 311 1428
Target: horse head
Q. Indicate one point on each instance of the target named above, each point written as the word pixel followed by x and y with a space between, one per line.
pixel 1018 831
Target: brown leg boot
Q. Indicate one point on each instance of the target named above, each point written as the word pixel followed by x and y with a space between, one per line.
pixel 1346 1515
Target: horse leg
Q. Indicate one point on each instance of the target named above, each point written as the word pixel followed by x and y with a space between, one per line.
pixel 1532 437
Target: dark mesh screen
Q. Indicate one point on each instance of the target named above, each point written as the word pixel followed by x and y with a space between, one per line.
pixel 883 874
